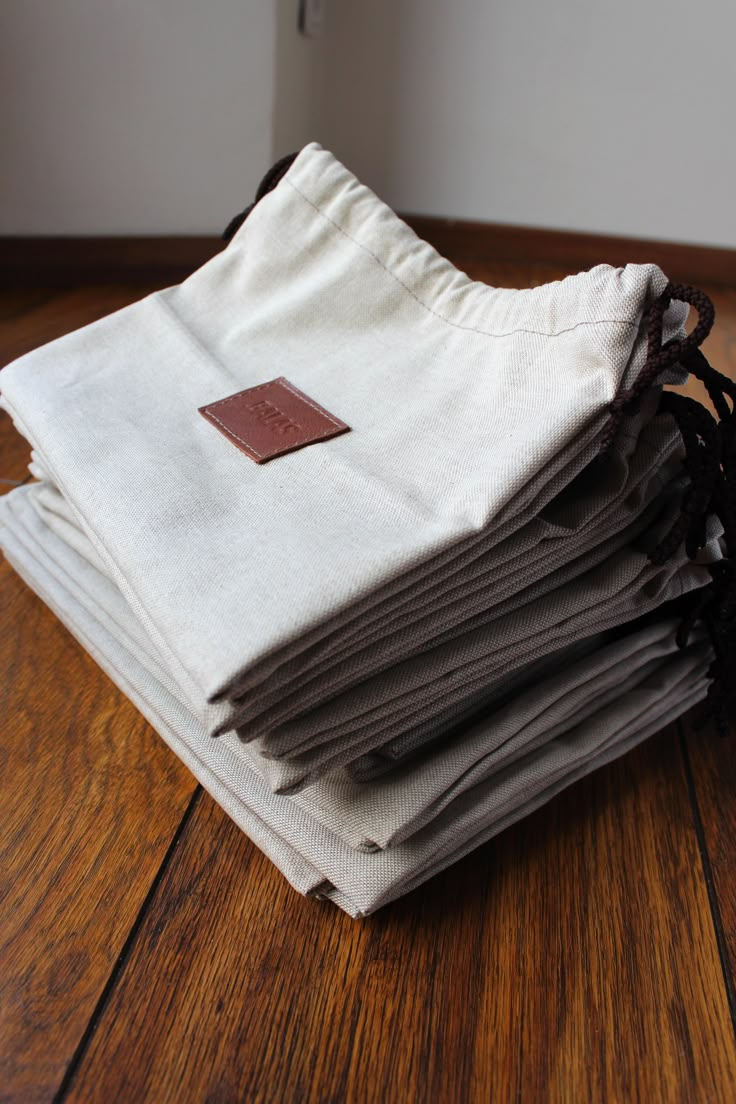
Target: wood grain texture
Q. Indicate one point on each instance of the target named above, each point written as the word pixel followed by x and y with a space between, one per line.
pixel 70 261
pixel 14 454
pixel 712 763
pixel 573 959
pixel 90 798
pixel 64 262
pixel 26 326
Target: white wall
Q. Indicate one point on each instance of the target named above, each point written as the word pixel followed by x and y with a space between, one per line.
pixel 613 117
pixel 301 93
pixel 133 116
pixel 160 116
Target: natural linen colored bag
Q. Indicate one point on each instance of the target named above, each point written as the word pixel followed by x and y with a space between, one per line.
pixel 316 860
pixel 385 581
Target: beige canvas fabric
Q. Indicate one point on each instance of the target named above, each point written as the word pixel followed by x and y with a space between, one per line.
pixel 450 594
pixel 410 727
pixel 530 556
pixel 315 860
pixel 380 814
pixel 619 589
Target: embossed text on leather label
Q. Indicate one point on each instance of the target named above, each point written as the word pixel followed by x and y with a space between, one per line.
pixel 272 418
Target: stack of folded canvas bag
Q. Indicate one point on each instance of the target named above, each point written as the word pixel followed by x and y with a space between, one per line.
pixel 437 571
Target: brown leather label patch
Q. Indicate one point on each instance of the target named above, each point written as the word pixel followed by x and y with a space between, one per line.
pixel 271 419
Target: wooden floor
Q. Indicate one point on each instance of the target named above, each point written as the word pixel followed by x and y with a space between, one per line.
pixel 148 952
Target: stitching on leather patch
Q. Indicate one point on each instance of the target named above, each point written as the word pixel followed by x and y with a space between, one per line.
pixel 271 419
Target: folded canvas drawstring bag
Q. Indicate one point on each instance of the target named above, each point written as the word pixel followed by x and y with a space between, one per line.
pixel 389 557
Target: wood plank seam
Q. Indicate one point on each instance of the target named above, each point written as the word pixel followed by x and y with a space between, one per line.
pixel 715 910
pixel 125 952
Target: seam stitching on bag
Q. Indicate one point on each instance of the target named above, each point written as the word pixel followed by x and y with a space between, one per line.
pixel 231 433
pixel 455 325
pixel 304 398
pixel 306 438
pixel 231 398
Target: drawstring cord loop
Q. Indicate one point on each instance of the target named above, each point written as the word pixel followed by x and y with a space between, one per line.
pixel 710 462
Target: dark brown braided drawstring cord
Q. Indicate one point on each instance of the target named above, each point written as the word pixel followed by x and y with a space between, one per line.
pixel 700 436
pixel 269 182
pixel 710 461
pixel 661 356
